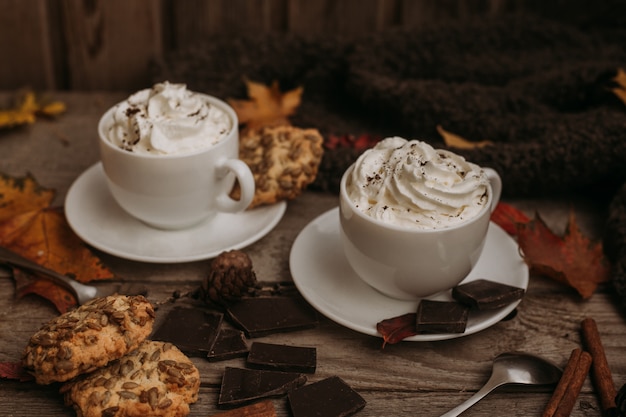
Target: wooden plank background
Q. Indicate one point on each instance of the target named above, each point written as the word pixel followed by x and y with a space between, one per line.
pixel 110 44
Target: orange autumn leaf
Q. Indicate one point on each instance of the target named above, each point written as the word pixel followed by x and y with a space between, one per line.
pixel 455 141
pixel 267 106
pixel 508 217
pixel 572 259
pixel 20 195
pixel 620 81
pixel 33 229
pixel 26 284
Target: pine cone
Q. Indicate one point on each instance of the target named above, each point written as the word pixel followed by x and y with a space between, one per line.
pixel 230 278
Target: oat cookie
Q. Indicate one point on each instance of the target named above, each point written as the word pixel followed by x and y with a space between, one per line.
pixel 283 160
pixel 88 337
pixel 155 380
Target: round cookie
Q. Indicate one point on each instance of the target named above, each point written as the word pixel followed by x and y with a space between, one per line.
pixel 283 160
pixel 155 380
pixel 88 337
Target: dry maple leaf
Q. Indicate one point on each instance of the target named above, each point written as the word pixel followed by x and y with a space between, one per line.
pixel 620 80
pixel 572 259
pixel 455 141
pixel 33 229
pixel 360 142
pixel 268 106
pixel 27 109
pixel 508 218
pixel 14 370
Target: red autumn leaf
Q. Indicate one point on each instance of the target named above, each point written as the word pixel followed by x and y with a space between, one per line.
pixel 33 229
pixel 14 370
pixel 508 217
pixel 397 328
pixel 572 259
pixel 360 142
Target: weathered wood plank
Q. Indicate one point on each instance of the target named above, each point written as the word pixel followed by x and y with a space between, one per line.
pixel 346 17
pixel 195 20
pixel 110 44
pixel 26 45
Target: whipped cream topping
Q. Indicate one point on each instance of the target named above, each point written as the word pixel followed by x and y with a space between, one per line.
pixel 167 119
pixel 411 184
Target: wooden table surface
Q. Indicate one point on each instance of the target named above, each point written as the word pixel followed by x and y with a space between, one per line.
pixel 406 379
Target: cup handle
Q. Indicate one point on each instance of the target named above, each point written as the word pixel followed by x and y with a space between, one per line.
pixel 246 184
pixel 496 186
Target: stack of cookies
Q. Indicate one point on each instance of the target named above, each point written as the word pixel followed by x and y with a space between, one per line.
pixel 101 353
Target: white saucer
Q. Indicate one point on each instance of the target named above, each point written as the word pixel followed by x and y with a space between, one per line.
pixel 325 279
pixel 98 220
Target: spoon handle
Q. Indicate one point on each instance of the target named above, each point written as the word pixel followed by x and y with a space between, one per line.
pixel 492 384
pixel 14 259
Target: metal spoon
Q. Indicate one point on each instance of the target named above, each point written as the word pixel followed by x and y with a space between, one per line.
pixel 513 368
pixel 82 292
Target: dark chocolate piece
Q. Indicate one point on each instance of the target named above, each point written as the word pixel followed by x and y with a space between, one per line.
pixel 330 397
pixel 282 357
pixel 230 344
pixel 192 330
pixel 261 316
pixel 441 317
pixel 241 386
pixel 483 294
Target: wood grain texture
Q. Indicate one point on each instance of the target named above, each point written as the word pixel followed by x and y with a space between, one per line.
pixel 407 379
pixel 110 44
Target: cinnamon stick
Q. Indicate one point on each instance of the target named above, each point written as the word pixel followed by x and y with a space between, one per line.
pixel 600 372
pixel 568 401
pixel 563 384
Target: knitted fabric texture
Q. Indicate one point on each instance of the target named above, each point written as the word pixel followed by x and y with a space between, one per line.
pixel 538 89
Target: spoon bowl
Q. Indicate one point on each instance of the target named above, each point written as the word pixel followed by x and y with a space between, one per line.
pixel 513 368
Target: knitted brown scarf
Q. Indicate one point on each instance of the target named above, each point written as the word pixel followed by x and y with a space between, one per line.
pixel 538 89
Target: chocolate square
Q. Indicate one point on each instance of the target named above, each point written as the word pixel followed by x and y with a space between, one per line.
pixel 192 330
pixel 241 386
pixel 261 316
pixel 441 317
pixel 330 397
pixel 282 357
pixel 483 294
pixel 230 343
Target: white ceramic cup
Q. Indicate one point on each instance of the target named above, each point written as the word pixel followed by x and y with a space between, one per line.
pixel 409 264
pixel 177 191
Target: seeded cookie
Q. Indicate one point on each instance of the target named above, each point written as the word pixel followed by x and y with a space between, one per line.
pixel 283 160
pixel 88 337
pixel 155 380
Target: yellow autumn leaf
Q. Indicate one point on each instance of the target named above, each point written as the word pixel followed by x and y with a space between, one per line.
pixel 27 109
pixel 620 90
pixel 455 141
pixel 267 106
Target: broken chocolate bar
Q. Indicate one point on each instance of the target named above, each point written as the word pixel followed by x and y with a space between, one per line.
pixel 240 386
pixel 441 317
pixel 483 294
pixel 192 330
pixel 230 344
pixel 330 397
pixel 261 316
pixel 282 357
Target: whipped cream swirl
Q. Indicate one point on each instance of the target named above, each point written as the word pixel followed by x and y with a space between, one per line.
pixel 167 119
pixel 411 184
